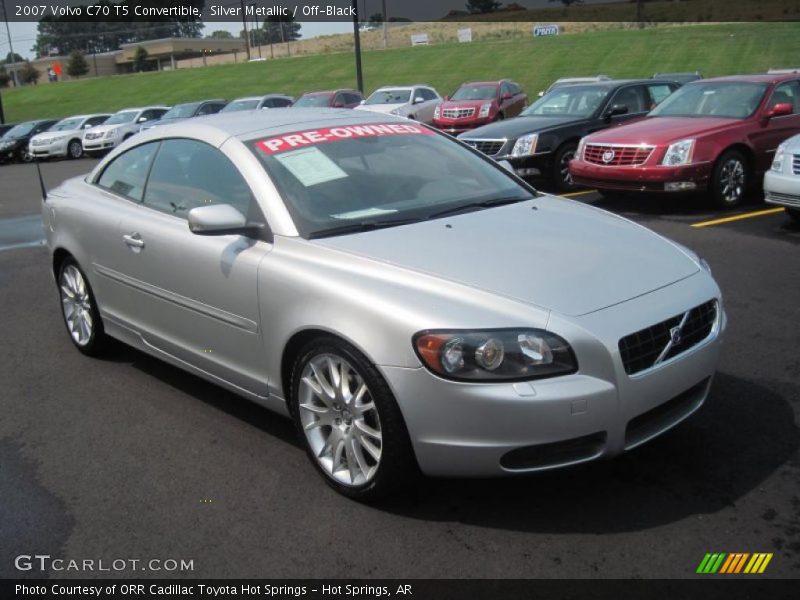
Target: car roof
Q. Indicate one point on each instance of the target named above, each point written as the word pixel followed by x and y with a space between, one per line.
pixel 760 78
pixel 140 108
pixel 494 82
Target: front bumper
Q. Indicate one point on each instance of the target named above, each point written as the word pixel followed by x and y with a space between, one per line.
pixel 98 145
pixel 9 154
pixel 642 178
pixel 464 429
pixel 782 189
pixel 49 150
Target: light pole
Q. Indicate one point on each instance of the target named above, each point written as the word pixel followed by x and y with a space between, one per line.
pixel 10 47
pixel 357 44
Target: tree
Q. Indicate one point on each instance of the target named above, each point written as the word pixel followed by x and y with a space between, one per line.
pixel 77 65
pixel 140 62
pixel 28 73
pixel 4 76
pixel 281 29
pixel 482 6
pixel 15 58
pixel 568 3
pixel 221 34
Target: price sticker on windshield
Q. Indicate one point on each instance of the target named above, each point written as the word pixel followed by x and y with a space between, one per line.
pixel 313 137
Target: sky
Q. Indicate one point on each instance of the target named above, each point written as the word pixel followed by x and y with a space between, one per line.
pixel 23 35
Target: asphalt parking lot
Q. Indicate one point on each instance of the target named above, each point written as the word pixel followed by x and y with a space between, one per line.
pixel 127 457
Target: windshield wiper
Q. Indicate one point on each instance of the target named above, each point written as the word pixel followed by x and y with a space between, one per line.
pixel 361 226
pixel 473 206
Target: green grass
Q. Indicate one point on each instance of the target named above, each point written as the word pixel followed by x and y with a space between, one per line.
pixel 719 49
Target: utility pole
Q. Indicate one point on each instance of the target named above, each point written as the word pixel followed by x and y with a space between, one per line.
pixel 357 43
pixel 11 47
pixel 246 36
pixel 385 41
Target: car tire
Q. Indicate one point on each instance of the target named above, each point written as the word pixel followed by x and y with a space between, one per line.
pixel 560 175
pixel 74 149
pixel 500 116
pixel 794 214
pixel 730 179
pixel 24 156
pixel 353 432
pixel 79 309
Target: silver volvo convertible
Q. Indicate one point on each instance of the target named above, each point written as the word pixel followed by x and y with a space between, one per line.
pixel 409 303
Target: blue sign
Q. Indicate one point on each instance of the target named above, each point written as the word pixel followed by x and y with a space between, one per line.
pixel 540 30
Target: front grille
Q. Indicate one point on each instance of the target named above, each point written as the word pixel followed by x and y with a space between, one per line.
pixel 796 164
pixel 93 136
pixel 458 113
pixel 655 344
pixel 657 420
pixel 783 199
pixel 556 453
pixel 612 155
pixel 490 147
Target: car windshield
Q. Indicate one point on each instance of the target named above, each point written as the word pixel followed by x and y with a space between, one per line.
pixel 181 111
pixel 237 105
pixel 389 97
pixel 731 100
pixel 122 117
pixel 67 124
pixel 368 176
pixel 20 130
pixel 568 101
pixel 475 92
pixel 314 100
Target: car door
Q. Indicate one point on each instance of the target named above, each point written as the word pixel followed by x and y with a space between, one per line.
pixel 196 295
pixel 769 132
pixel 425 109
pixel 518 100
pixel 506 99
pixel 635 97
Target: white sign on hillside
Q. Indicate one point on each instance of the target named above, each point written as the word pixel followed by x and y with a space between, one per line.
pixel 465 35
pixel 543 30
pixel 420 39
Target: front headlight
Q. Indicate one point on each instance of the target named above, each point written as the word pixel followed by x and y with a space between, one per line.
pixel 581 147
pixel 112 133
pixel 58 138
pixel 485 110
pixel 495 355
pixel 437 112
pixel 679 153
pixel 777 161
pixel 525 145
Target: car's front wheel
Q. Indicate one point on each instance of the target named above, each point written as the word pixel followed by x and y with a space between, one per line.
pixel 730 179
pixel 561 175
pixel 349 421
pixel 75 149
pixel 79 309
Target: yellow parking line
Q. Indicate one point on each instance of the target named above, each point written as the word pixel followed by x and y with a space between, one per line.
pixel 571 194
pixel 750 215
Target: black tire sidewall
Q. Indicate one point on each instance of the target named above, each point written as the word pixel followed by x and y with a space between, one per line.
pixel 397 465
pixel 97 338
pixel 793 213
pixel 716 187
pixel 560 185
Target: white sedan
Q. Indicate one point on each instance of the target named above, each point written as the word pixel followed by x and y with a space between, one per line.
pixel 782 181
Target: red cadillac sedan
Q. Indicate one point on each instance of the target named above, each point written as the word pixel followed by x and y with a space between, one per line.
pixel 478 103
pixel 713 134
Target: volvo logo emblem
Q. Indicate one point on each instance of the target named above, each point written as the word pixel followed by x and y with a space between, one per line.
pixel 675 335
pixel 608 156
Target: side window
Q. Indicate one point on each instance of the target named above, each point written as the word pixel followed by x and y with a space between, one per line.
pixel 126 174
pixel 149 115
pixel 339 99
pixel 210 109
pixel 632 97
pixel 787 93
pixel 270 103
pixel 187 174
pixel 515 89
pixel 283 102
pixel 96 121
pixel 658 93
pixel 505 89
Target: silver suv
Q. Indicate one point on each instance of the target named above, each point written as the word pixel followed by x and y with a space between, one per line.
pixel 782 181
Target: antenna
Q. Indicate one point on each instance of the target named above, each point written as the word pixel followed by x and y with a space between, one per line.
pixel 41 182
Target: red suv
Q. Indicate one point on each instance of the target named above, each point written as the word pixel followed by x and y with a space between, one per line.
pixel 712 134
pixel 478 103
pixel 330 99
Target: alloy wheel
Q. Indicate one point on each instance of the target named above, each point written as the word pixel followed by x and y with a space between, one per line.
pixel 76 305
pixel 563 168
pixel 75 149
pixel 340 420
pixel 732 181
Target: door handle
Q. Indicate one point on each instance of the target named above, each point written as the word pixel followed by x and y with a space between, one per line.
pixel 134 240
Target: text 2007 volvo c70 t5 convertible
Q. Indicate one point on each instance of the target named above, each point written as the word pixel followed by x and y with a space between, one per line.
pixel 407 301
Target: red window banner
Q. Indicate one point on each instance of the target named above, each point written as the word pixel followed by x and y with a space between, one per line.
pixel 313 137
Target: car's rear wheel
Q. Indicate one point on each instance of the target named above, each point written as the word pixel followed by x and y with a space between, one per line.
pixel 794 214
pixel 730 179
pixel 561 175
pixel 349 421
pixel 79 309
pixel 75 149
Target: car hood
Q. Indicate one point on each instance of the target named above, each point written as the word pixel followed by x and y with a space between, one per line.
pixel 105 128
pixel 48 135
pixel 514 128
pixel 380 108
pixel 662 130
pixel 564 256
pixel 476 104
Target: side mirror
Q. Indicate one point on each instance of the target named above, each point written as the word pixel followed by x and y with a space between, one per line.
pixel 419 100
pixel 507 96
pixel 338 105
pixel 363 102
pixel 218 219
pixel 540 94
pixel 780 110
pixel 617 109
pixel 87 125
pixel 141 120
